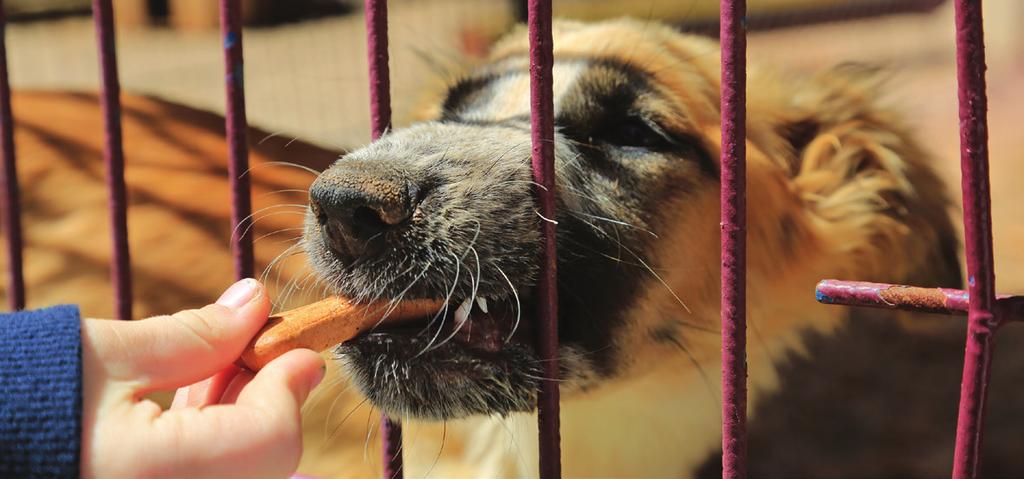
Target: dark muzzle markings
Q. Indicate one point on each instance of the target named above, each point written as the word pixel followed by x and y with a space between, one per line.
pixel 428 212
pixel 443 209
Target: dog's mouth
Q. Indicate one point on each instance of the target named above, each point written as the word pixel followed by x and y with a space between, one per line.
pixel 475 356
pixel 481 325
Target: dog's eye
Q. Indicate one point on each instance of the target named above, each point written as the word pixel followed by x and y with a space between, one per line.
pixel 635 132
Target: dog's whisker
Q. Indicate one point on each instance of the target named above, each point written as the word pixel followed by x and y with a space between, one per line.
pixel 288 252
pixel 289 290
pixel 515 325
pixel 472 298
pixel 370 432
pixel 252 224
pixel 659 278
pixel 275 232
pixel 316 398
pixel 285 295
pixel 337 427
pixel 267 208
pixel 649 269
pixel 444 312
pixel 474 280
pixel 614 221
pixel 321 392
pixel 502 156
pixel 678 343
pixel 440 449
pixel 281 163
pixel 277 192
pixel 401 295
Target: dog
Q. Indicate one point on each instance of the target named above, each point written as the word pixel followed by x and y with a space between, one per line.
pixel 838 187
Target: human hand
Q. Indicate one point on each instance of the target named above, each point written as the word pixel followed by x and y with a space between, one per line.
pixel 228 423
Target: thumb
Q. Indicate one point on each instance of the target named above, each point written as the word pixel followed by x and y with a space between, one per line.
pixel 171 351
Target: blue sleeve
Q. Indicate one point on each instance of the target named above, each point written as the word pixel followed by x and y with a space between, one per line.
pixel 40 393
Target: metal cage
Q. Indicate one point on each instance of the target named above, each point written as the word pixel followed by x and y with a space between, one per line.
pixel 985 311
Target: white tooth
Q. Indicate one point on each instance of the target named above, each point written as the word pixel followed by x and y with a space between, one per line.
pixel 482 303
pixel 462 314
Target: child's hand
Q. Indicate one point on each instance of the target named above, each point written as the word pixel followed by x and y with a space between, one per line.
pixel 228 423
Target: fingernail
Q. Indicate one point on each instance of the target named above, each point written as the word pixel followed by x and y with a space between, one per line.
pixel 239 294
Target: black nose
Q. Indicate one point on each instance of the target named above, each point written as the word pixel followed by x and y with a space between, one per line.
pixel 356 205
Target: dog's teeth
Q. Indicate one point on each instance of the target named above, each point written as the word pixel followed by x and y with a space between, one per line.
pixel 482 303
pixel 462 314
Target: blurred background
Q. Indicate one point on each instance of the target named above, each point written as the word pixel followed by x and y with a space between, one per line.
pixel 305 59
pixel 306 81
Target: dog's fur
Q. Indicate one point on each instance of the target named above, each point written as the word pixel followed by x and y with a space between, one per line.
pixel 838 187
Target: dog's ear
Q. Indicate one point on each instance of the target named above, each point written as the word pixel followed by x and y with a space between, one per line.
pixel 872 199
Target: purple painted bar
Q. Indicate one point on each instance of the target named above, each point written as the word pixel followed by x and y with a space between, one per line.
pixel 734 230
pixel 113 155
pixel 542 131
pixel 970 74
pixel 380 73
pixel 380 123
pixel 911 298
pixel 236 131
pixel 10 203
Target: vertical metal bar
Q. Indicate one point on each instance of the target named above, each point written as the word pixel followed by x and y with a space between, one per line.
pixel 982 322
pixel 113 154
pixel 236 130
pixel 380 123
pixel 10 202
pixel 380 74
pixel 734 230
pixel 542 131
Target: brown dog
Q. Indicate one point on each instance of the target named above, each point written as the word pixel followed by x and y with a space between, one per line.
pixel 838 188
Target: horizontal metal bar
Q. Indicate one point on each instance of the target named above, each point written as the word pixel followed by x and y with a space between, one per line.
pixel 911 298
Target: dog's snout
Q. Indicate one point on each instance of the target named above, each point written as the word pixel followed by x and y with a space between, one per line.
pixel 356 207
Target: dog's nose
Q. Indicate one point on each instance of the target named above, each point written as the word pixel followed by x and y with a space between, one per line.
pixel 357 205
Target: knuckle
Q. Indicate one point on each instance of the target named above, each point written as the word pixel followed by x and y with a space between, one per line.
pixel 210 323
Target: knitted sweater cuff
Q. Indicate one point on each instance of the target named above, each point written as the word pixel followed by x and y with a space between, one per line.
pixel 40 393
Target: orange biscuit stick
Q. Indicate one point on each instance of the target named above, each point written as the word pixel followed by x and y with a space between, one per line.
pixel 325 323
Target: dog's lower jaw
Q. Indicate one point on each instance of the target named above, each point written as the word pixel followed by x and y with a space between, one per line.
pixel 662 424
pixel 407 377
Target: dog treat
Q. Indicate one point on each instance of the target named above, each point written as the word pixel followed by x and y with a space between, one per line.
pixel 323 324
